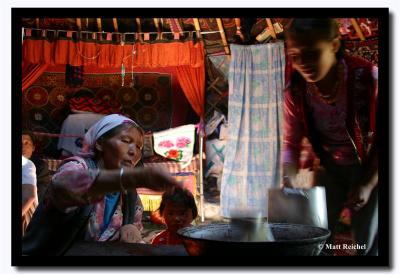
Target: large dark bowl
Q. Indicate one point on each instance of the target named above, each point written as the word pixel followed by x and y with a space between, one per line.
pixel 221 239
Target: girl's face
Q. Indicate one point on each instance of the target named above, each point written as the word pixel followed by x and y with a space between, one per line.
pixel 312 57
pixel 177 216
pixel 123 149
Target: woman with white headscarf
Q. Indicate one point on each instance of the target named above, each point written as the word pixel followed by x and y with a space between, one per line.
pixel 91 195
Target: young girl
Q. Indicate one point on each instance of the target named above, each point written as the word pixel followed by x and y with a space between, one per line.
pixel 331 99
pixel 178 209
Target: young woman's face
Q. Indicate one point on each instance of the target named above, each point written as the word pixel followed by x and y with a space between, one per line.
pixel 177 216
pixel 122 150
pixel 311 57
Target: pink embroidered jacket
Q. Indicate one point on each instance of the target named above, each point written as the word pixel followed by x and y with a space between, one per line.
pixel 361 110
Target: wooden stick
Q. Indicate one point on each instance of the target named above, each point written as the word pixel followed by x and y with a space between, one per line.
pixel 79 23
pixel 197 26
pixel 357 28
pixel 99 24
pixel 139 29
pixel 239 28
pixel 271 28
pixel 157 24
pixel 115 23
pixel 224 42
pixel 212 86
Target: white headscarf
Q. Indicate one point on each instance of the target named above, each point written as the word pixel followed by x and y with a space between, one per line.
pixel 104 125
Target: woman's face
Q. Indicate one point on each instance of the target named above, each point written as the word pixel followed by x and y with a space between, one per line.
pixel 177 216
pixel 122 150
pixel 312 57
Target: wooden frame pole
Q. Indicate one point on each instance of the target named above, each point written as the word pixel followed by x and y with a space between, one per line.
pixel 357 29
pixel 115 23
pixel 223 37
pixel 271 28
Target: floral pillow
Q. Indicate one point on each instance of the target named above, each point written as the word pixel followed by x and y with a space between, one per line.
pixel 176 143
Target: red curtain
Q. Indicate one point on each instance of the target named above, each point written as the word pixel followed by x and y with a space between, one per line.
pixel 104 55
pixel 30 72
pixel 187 57
pixel 192 81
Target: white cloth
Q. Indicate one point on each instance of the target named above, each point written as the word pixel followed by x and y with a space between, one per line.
pixel 29 175
pixel 176 144
pixel 252 153
pixel 214 122
pixel 28 172
pixel 78 125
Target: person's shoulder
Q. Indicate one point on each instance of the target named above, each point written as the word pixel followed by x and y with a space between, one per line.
pixel 27 163
pixel 357 62
pixel 75 162
pixel 361 68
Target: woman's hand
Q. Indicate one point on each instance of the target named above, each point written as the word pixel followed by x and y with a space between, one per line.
pixel 289 175
pixel 288 181
pixel 358 197
pixel 130 234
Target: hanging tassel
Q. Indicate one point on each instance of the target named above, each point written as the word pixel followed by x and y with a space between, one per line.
pixel 123 74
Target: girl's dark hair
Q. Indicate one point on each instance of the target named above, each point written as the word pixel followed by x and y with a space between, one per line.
pixel 179 196
pixel 323 28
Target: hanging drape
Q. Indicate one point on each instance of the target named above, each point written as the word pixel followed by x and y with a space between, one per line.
pixel 252 160
pixel 192 82
pixel 187 57
pixel 105 54
pixel 30 72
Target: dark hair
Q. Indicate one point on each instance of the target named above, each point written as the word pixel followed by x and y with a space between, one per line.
pixel 323 28
pixel 179 196
pixel 30 134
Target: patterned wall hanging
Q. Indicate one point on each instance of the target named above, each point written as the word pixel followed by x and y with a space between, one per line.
pixel 49 101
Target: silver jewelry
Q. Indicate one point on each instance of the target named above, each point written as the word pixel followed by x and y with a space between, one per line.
pixel 121 172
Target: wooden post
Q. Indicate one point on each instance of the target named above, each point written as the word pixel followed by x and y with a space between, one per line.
pixel 222 32
pixel 115 23
pixel 271 28
pixel 197 27
pixel 357 28
pixel 139 29
pixel 37 23
pixel 239 28
pixel 201 173
pixel 79 23
pixel 99 24
pixel 157 24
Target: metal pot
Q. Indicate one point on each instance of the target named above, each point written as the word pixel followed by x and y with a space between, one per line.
pixel 298 206
pixel 222 239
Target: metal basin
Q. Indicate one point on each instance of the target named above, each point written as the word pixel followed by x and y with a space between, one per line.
pixel 222 239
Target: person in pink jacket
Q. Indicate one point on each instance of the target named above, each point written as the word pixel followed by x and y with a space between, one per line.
pixel 331 99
